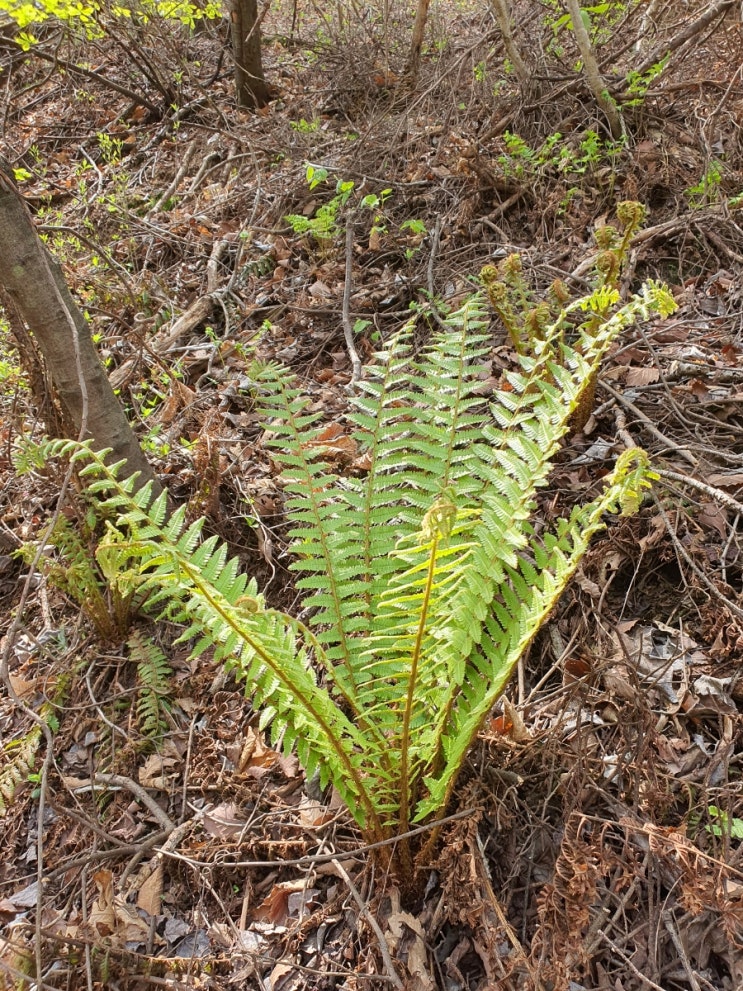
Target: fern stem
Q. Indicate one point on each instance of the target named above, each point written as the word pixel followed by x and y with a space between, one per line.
pixel 407 799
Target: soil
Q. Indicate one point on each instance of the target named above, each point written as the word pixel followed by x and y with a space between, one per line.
pixel 594 841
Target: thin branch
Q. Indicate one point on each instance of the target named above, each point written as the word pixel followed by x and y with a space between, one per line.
pixel 709 490
pixel 328 858
pixel 638 973
pixel 353 354
pixel 502 16
pixel 169 192
pixel 92 74
pixel 685 34
pixel 100 781
pixel 681 550
pixel 650 427
pixel 373 924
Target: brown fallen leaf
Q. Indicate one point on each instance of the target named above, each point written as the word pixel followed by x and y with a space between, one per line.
pixel 149 897
pixel 102 916
pixel 157 772
pixel 224 821
pixel 642 376
pixel 730 480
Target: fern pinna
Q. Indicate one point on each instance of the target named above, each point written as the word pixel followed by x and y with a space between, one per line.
pixel 424 578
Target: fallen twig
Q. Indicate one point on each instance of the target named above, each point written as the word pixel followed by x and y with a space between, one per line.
pixel 353 354
pixel 651 428
pixel 709 490
pixel 101 780
pixel 384 949
pixel 680 549
pixel 197 312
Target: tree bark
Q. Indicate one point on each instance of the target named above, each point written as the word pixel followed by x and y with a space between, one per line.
pixel 503 16
pixel 34 283
pixel 416 43
pixel 250 83
pixel 592 72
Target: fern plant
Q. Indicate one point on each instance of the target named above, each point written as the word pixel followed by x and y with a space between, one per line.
pixel 18 756
pixel 424 574
pixel 69 564
pixel 154 676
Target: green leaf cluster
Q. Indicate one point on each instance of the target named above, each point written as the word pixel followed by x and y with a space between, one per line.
pixel 90 14
pixel 68 563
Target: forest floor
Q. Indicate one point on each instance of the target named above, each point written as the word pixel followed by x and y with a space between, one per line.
pixel 602 845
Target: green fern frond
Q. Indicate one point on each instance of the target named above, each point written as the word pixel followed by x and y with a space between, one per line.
pixel 154 676
pixel 68 563
pixel 21 758
pixel 526 595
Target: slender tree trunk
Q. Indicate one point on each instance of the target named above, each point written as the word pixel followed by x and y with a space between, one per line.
pixel 503 17
pixel 250 83
pixel 592 72
pixel 416 43
pixel 34 284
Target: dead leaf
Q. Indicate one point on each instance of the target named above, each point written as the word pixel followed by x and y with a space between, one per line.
pixel 224 822
pixel 407 941
pixel 577 667
pixel 255 756
pixel 500 725
pixel 157 772
pixel 335 442
pixel 616 373
pixel 313 814
pixel 275 906
pixel 102 916
pixel 27 897
pixel 698 388
pixel 729 480
pixel 23 689
pixel 289 765
pixel 519 732
pixel 149 897
pixel 712 515
pixel 318 290
pixel 179 398
pixel 642 376
pixel 363 463
pixel 276 978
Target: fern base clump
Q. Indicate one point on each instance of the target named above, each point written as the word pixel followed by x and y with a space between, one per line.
pixel 424 574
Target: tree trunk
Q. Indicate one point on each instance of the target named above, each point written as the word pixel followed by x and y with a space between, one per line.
pixel 250 83
pixel 416 42
pixel 592 72
pixel 503 16
pixel 34 284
